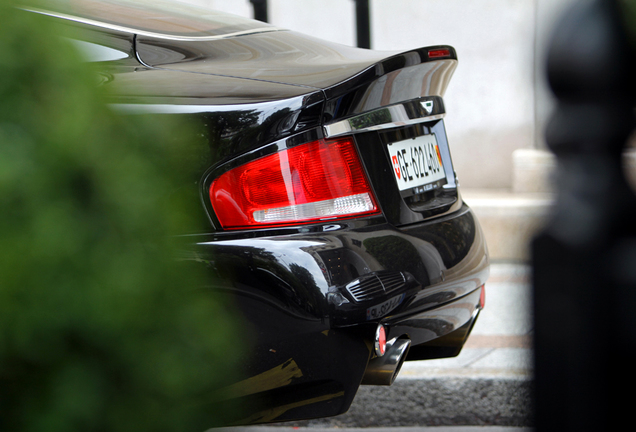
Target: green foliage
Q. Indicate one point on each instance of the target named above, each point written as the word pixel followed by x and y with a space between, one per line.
pixel 627 11
pixel 100 329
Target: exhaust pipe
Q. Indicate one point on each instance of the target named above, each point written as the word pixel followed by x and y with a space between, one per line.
pixel 383 370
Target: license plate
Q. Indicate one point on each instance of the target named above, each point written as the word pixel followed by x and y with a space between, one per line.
pixel 384 308
pixel 417 163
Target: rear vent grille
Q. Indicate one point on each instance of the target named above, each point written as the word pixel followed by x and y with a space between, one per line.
pixel 375 285
pixel 392 281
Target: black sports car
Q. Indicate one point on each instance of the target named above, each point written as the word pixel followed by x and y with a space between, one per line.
pixel 335 222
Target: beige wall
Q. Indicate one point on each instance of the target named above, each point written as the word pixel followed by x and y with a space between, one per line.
pixel 497 100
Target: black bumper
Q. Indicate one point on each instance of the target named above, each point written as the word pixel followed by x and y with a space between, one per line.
pixel 312 301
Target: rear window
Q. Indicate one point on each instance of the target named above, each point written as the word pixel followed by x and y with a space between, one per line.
pixel 164 17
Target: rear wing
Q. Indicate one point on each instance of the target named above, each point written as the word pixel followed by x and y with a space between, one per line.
pixel 403 89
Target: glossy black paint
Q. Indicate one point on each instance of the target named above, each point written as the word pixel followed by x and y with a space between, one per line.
pixel 352 80
pixel 308 267
pixel 308 292
pixel 282 57
pixel 300 279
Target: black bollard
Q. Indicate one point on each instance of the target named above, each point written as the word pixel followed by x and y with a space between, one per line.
pixel 585 259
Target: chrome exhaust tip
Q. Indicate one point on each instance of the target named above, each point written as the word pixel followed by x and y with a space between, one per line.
pixel 383 370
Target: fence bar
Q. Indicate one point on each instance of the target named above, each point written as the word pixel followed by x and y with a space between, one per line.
pixel 363 24
pixel 260 10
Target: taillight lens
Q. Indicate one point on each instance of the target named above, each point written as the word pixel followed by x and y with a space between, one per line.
pixel 439 53
pixel 316 181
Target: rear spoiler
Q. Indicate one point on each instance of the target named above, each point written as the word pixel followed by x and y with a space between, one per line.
pixel 402 89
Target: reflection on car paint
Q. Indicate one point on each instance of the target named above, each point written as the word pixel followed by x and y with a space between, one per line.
pixel 279 376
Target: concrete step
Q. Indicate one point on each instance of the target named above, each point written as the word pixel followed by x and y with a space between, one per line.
pixel 509 219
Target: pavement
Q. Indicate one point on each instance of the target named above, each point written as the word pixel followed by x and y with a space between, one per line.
pixel 282 428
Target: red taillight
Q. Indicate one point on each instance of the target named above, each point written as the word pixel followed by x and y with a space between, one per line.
pixel 315 181
pixel 482 297
pixel 439 53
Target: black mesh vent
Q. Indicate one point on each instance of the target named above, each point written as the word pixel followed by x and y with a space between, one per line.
pixel 375 285
pixel 392 281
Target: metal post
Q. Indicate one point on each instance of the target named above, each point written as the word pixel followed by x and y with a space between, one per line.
pixel 260 10
pixel 585 259
pixel 363 24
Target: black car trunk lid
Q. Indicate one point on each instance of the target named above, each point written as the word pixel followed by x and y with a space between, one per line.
pixel 391 103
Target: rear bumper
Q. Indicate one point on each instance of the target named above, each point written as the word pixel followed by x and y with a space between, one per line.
pixel 348 277
pixel 312 302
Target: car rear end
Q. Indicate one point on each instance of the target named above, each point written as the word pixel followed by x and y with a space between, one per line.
pixel 334 220
pixel 355 235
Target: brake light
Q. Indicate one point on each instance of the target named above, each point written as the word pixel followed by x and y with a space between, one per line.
pixel 319 180
pixel 439 53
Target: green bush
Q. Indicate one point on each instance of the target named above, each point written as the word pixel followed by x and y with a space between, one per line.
pixel 100 330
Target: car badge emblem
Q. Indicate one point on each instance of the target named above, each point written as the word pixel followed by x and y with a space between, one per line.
pixel 428 106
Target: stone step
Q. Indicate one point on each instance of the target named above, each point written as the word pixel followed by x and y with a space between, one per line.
pixel 509 219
